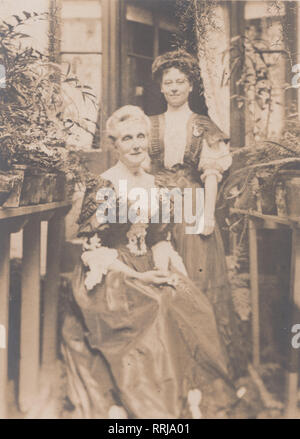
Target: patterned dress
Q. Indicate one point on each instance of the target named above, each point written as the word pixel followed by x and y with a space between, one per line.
pixel 155 350
pixel 206 151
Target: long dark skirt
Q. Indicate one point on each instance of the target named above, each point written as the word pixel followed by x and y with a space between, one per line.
pixel 152 344
pixel 204 258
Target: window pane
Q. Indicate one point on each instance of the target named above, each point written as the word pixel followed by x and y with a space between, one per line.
pixel 266 72
pixel 166 41
pixel 141 37
pixel 139 78
pixel 88 69
pixel 81 35
pixel 259 9
pixel 139 14
pixel 81 26
pixel 81 9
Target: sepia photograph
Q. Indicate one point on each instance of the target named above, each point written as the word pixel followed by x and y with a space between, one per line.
pixel 149 212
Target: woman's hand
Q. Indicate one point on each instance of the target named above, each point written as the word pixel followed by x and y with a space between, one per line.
pixel 156 277
pixel 211 189
pixel 209 226
pixel 153 276
pixel 165 257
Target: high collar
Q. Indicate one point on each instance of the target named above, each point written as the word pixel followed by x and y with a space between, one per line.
pixel 184 110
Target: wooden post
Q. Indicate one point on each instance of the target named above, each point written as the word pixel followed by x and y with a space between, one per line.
pixel 4 301
pixel 30 315
pixel 291 410
pixel 237 115
pixel 291 43
pixel 111 69
pixel 254 291
pixel 49 337
pixel 55 30
pixel 124 59
pixel 111 56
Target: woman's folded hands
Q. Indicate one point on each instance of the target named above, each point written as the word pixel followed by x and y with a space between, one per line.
pixel 101 260
pixel 166 258
pixel 159 277
pixel 156 277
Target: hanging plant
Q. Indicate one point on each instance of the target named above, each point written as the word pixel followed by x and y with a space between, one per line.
pixel 195 18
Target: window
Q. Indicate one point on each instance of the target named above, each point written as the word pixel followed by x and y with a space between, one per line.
pixel 149 32
pixel 265 112
pixel 81 48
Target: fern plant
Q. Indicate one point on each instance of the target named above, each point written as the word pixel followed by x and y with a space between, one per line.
pixel 255 171
pixel 35 120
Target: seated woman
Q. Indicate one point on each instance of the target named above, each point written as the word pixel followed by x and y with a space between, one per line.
pixel 151 337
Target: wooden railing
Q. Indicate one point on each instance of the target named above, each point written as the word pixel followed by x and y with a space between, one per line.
pixel 29 219
pixel 259 221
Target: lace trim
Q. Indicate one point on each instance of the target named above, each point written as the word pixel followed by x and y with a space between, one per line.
pixel 97 261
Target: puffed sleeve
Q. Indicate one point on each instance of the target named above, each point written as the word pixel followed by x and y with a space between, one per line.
pixel 97 262
pixel 93 227
pixel 215 157
pixel 99 197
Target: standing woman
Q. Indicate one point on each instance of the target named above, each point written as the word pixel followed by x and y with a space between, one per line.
pixel 192 148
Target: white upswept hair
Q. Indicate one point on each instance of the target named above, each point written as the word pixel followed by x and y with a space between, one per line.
pixel 128 113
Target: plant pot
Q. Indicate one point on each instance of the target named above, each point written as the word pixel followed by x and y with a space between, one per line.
pixel 11 198
pixel 59 193
pixel 70 189
pixel 6 185
pixel 288 193
pixel 38 187
pixel 48 188
pixel 32 188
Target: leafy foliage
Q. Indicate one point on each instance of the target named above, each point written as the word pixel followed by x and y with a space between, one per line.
pixel 35 120
pixel 195 17
pixel 257 169
pixel 240 287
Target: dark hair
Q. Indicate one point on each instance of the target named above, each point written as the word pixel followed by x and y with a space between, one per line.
pixel 179 59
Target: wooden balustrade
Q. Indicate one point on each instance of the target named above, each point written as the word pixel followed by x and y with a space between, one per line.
pixel 29 219
pixel 260 221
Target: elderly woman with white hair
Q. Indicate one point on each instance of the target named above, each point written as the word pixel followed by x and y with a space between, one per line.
pixel 150 334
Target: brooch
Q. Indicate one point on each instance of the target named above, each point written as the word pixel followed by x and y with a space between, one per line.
pixel 196 131
pixel 136 239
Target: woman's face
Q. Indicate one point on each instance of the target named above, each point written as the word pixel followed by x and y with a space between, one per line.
pixel 132 143
pixel 176 87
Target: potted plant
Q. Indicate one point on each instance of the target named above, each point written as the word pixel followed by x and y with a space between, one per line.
pixel 267 178
pixel 35 118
